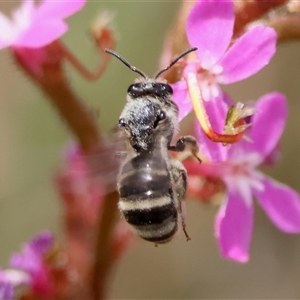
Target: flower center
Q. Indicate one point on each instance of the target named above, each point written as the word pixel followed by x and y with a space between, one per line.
pixel 240 170
pixel 242 175
pixel 207 79
pixel 207 76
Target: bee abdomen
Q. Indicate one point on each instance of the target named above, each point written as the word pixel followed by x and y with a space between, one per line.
pixel 159 234
pixel 144 183
pixel 152 219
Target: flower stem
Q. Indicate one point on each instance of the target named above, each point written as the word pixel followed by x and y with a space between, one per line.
pixel 104 258
pixel 249 11
pixel 80 121
pixel 49 75
pixel 287 27
pixel 51 78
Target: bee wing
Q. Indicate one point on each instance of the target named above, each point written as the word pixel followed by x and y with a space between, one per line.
pixel 103 164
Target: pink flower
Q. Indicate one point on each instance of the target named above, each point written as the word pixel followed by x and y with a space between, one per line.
pixel 28 267
pixel 36 26
pixel 31 258
pixel 236 167
pixel 209 27
pixel 9 280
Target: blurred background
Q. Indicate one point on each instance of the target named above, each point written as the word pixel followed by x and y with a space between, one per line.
pixel 32 138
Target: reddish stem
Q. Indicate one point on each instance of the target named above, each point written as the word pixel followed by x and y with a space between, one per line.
pixel 104 255
pixel 287 27
pixel 249 11
pixel 49 75
pixel 53 82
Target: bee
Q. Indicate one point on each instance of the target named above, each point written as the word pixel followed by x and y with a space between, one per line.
pixel 151 183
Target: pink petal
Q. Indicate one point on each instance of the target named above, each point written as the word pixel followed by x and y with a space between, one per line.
pixel 268 124
pixel 31 256
pixel 234 224
pixel 41 33
pixel 281 203
pixel 248 55
pixel 216 110
pixel 6 289
pixel 23 16
pixel 274 156
pixel 7 33
pixel 181 98
pixel 25 261
pixel 42 242
pixel 209 28
pixel 50 9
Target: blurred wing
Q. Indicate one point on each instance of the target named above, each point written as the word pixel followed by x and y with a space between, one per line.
pixel 103 164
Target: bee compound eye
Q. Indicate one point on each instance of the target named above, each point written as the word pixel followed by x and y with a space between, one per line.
pixel 136 90
pixel 130 88
pixel 122 122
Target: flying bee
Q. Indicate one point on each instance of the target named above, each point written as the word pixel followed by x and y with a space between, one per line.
pixel 151 183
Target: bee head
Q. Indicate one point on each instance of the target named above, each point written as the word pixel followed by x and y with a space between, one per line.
pixel 150 115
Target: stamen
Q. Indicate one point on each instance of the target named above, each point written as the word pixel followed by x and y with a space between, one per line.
pixel 235 119
pixel 202 116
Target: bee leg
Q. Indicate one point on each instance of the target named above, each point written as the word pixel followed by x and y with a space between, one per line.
pixel 185 143
pixel 180 185
pixel 182 217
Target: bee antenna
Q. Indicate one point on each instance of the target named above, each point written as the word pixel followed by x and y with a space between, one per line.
pixel 176 60
pixel 126 63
